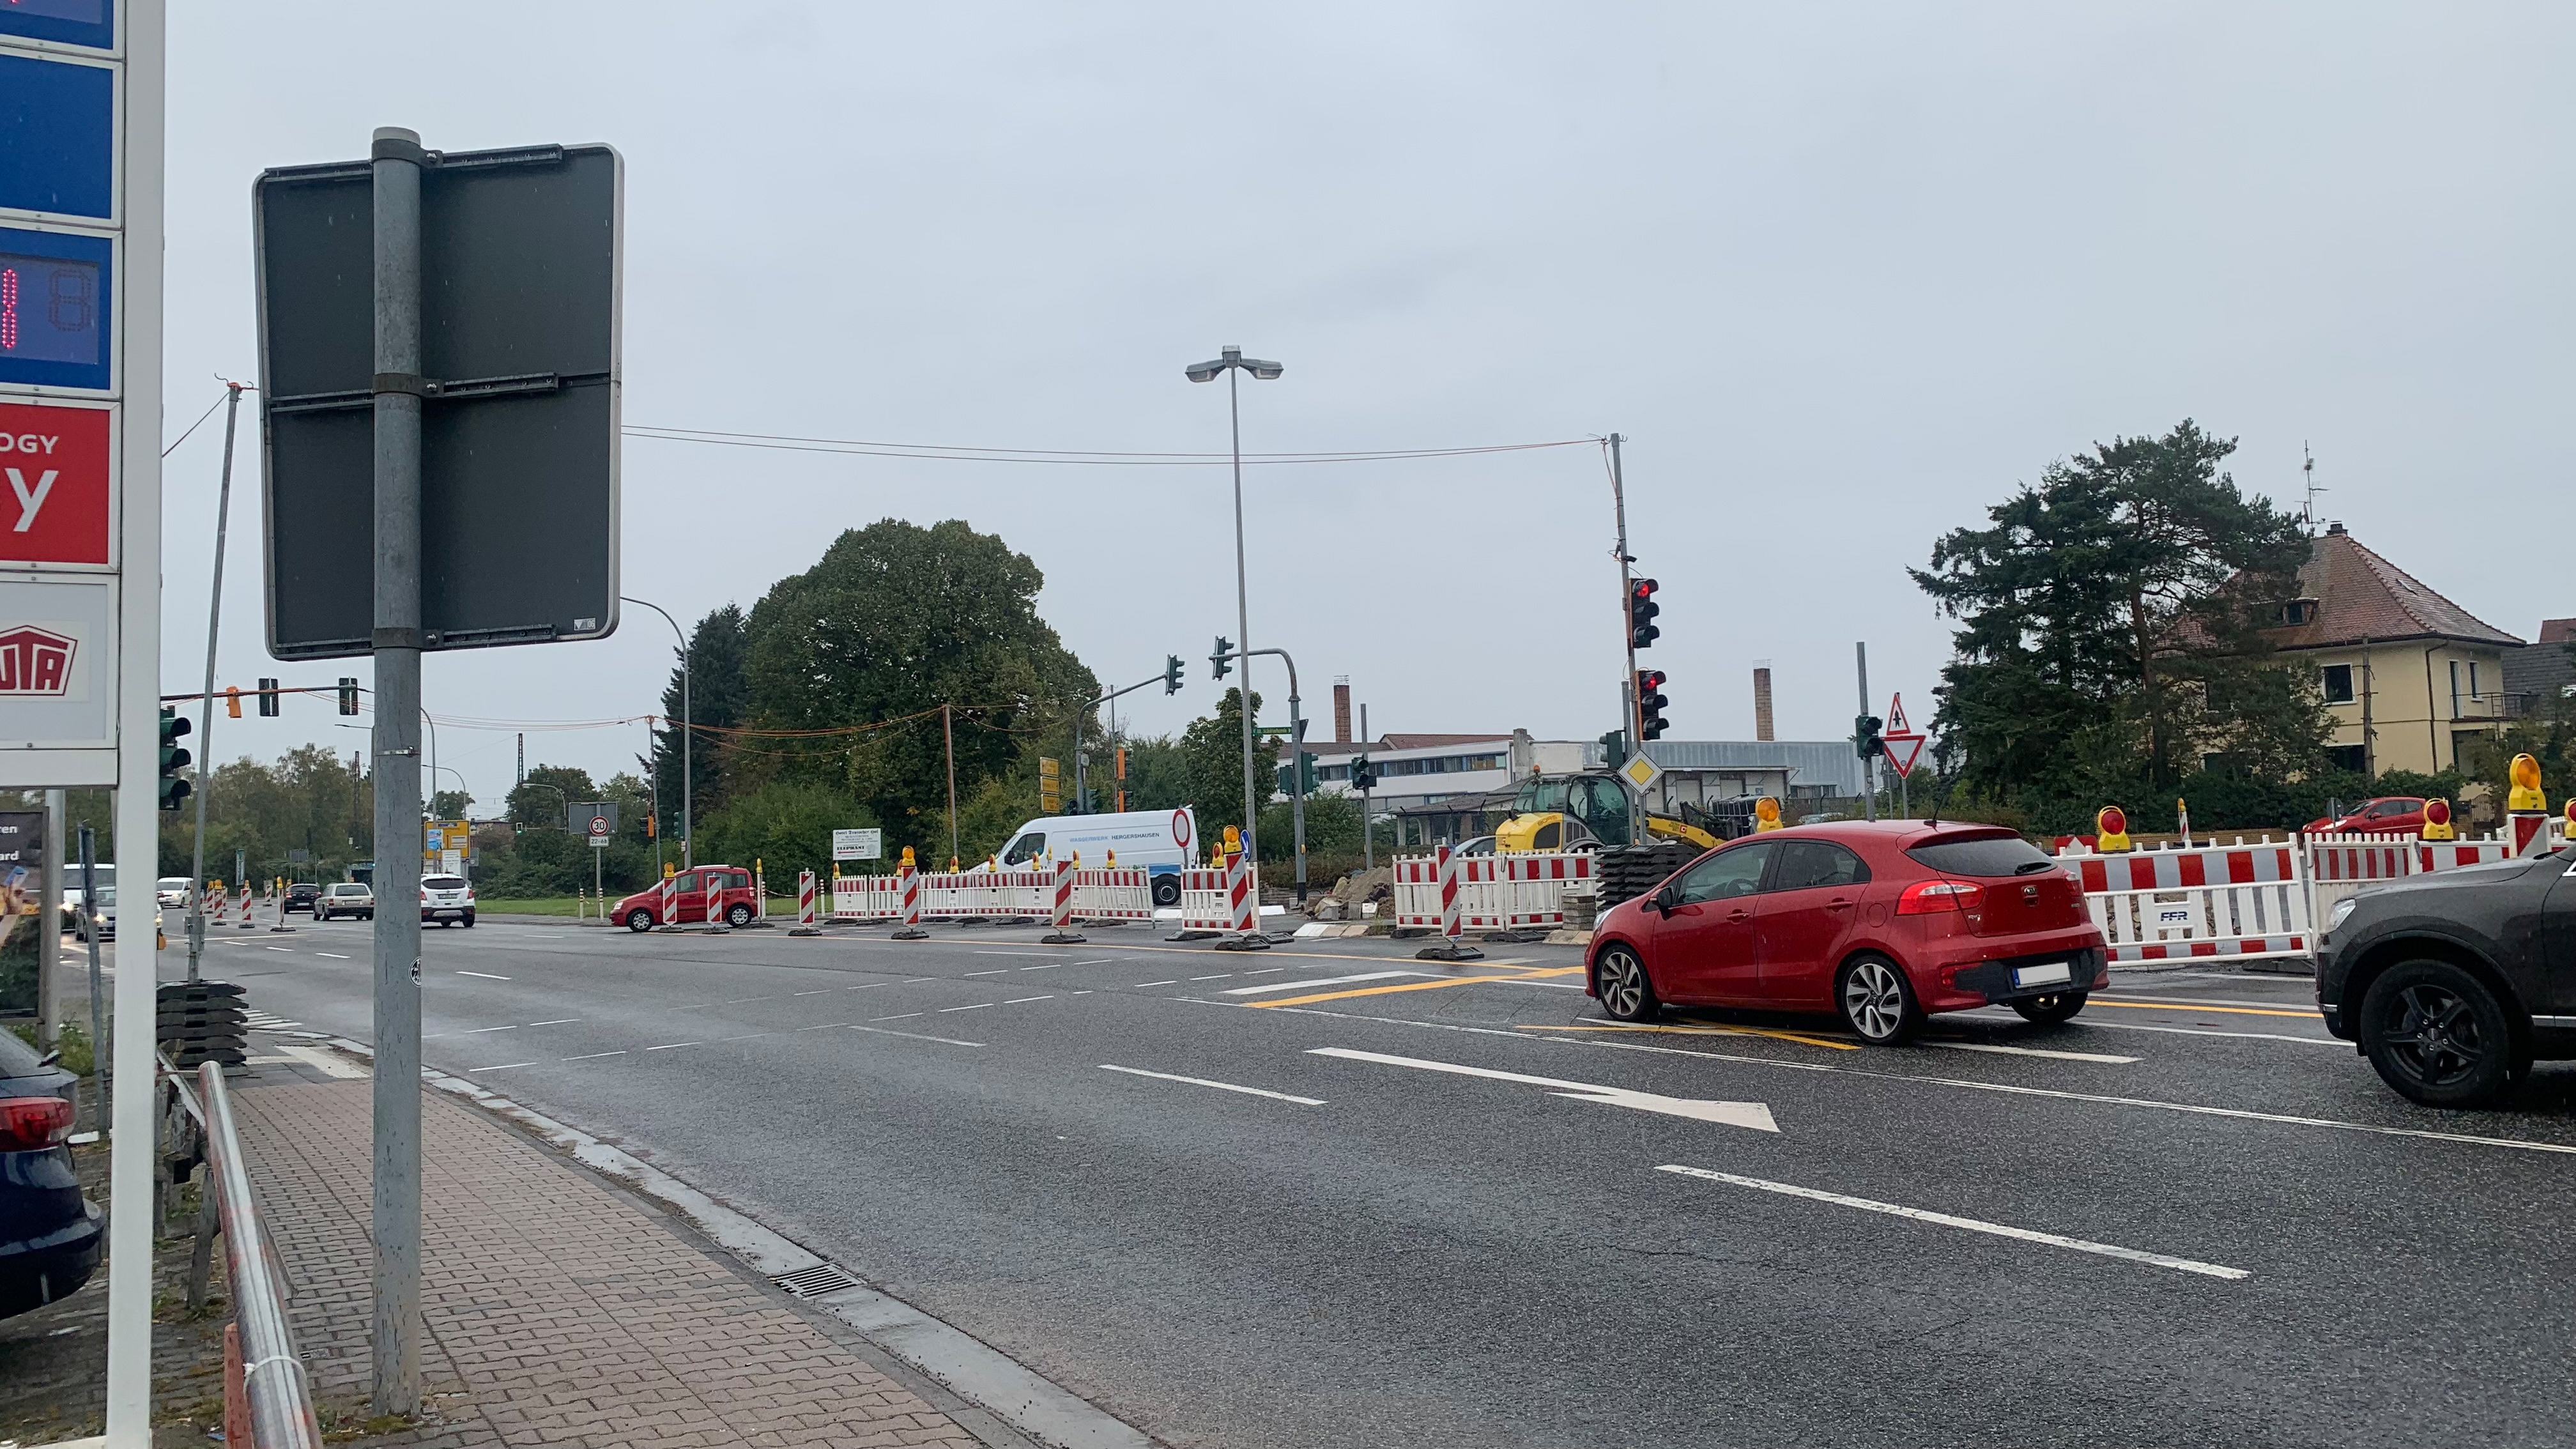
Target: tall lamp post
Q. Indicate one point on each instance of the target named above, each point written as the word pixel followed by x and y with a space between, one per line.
pixel 1230 361
pixel 688 836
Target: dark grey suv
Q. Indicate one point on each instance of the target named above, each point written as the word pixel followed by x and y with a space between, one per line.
pixel 2454 983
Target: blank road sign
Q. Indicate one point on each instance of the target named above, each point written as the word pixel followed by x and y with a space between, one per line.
pixel 519 344
pixel 58 137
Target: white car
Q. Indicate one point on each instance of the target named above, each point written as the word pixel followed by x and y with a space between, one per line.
pixel 171 890
pixel 1160 841
pixel 445 898
pixel 346 898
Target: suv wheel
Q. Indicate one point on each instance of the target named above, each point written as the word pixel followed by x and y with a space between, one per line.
pixel 639 919
pixel 1876 1000
pixel 2438 1035
pixel 1627 992
pixel 2051 1009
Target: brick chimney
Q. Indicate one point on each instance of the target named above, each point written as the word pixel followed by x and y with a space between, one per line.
pixel 1762 700
pixel 1342 711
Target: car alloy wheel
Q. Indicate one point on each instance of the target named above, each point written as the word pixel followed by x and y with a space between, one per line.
pixel 1627 993
pixel 1876 1003
pixel 737 915
pixel 2436 1033
pixel 639 919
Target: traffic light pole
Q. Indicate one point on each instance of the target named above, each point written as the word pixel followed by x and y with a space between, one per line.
pixel 1296 776
pixel 1630 712
pixel 1869 763
pixel 1081 792
pixel 206 707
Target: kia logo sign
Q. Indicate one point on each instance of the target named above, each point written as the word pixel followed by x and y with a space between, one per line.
pixel 35 662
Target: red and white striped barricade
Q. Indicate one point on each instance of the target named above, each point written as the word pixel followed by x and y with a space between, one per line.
pixel 2343 863
pixel 1204 903
pixel 1060 912
pixel 247 897
pixel 1114 893
pixel 2215 903
pixel 867 898
pixel 985 895
pixel 2433 855
pixel 670 903
pixel 805 906
pixel 907 884
pixel 1490 892
pixel 1243 907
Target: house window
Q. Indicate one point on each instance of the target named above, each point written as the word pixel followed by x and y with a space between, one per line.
pixel 2299 611
pixel 2474 691
pixel 2351 759
pixel 2338 683
pixel 2455 689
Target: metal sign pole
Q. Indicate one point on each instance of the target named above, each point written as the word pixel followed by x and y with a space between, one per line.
pixel 206 706
pixel 397 160
pixel 1869 766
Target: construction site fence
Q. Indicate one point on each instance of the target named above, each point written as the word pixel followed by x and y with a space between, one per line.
pixel 1122 893
pixel 1494 891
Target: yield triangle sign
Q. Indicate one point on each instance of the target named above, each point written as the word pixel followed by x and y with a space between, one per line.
pixel 1902 752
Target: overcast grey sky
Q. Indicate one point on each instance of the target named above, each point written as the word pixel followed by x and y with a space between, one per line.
pixel 1843 275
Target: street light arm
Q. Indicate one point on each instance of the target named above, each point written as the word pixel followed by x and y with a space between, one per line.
pixel 688 767
pixel 1078 721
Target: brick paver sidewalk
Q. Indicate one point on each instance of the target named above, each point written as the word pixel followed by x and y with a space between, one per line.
pixel 558 1310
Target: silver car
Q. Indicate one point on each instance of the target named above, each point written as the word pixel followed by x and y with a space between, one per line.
pixel 445 898
pixel 346 898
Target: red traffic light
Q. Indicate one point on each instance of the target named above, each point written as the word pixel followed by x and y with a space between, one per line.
pixel 1643 588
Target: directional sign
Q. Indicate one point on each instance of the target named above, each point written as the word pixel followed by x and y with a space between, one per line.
pixel 1753 1115
pixel 1904 744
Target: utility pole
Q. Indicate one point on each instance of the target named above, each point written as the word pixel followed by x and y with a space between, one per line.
pixel 948 733
pixel 397 159
pixel 1632 718
pixel 206 707
pixel 1869 766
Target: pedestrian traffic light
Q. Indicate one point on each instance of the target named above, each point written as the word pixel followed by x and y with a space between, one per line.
pixel 1650 703
pixel 1305 772
pixel 232 701
pixel 348 694
pixel 174 758
pixel 1224 647
pixel 1865 738
pixel 1171 674
pixel 1642 610
pixel 268 699
pixel 1363 773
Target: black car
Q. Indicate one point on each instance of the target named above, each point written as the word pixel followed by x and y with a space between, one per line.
pixel 301 895
pixel 2454 983
pixel 50 1236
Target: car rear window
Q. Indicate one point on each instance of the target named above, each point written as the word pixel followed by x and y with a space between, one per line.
pixel 443 882
pixel 1982 855
pixel 348 890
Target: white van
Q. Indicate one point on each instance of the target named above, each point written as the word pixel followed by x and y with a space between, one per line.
pixel 1162 841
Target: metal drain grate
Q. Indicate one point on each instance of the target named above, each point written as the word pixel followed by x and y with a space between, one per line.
pixel 816 1281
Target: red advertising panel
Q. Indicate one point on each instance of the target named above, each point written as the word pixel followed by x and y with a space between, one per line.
pixel 53 484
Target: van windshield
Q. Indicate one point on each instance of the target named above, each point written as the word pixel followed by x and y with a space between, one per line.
pixel 1025 849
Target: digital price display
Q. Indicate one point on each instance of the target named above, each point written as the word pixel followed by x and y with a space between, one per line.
pixel 73 22
pixel 53 309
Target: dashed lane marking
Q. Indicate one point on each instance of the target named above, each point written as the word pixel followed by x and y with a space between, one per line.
pixel 1974 1225
pixel 1025 1000
pixel 673 1046
pixel 2015 1051
pixel 488 976
pixel 594 1056
pixel 898 1016
pixel 2325 1041
pixel 996 971
pixel 1220 1086
pixel 1317 981
pixel 1220 976
pixel 974 1006
pixel 1141 985
pixel 334 955
pixel 556 1021
pixel 505 1066
pixel 917 1036
pixel 479 1030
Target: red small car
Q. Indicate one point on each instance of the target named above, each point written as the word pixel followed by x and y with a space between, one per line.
pixel 707 893
pixel 2382 816
pixel 1879 922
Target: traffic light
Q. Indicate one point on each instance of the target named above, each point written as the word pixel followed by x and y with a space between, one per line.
pixel 348 694
pixel 651 831
pixel 1865 740
pixel 1224 647
pixel 1614 746
pixel 1642 610
pixel 1305 772
pixel 268 699
pixel 1650 704
pixel 1171 674
pixel 174 758
pixel 1363 773
pixel 232 701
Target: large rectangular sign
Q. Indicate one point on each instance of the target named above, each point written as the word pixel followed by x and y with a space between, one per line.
pixel 858 844
pixel 64 22
pixel 56 293
pixel 58 464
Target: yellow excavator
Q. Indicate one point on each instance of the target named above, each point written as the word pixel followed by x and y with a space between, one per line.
pixel 1565 812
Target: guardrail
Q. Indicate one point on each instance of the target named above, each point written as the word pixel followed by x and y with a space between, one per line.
pixel 278 1392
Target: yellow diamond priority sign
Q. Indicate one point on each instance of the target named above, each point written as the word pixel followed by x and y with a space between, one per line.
pixel 1640 773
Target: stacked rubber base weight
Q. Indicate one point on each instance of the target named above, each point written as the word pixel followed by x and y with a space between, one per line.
pixel 1629 871
pixel 201 1021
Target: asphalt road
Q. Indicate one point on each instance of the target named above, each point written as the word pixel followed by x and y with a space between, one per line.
pixel 1291 1200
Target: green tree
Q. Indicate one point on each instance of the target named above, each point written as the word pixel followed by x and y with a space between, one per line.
pixel 1212 746
pixel 784 826
pixel 718 701
pixel 541 798
pixel 310 800
pixel 2112 627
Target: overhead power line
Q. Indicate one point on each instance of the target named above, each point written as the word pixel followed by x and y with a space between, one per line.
pixel 968 453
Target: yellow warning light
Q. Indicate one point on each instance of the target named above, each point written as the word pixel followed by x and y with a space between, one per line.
pixel 2437 821
pixel 907 857
pixel 2525 794
pixel 1766 814
pixel 2111 830
pixel 1233 840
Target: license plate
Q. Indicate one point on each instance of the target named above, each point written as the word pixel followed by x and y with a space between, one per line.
pixel 2052 974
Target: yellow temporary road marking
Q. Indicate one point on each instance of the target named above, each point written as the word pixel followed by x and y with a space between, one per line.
pixel 1840 1046
pixel 1418 986
pixel 2195 1006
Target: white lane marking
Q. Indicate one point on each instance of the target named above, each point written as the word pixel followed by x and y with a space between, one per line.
pixel 978 1006
pixel 289 950
pixel 479 1030
pixel 1141 985
pixel 898 1016
pixel 1317 981
pixel 862 986
pixel 1220 976
pixel 594 1056
pixel 486 975
pixel 2240 1113
pixel 1095 961
pixel 2305 1006
pixel 739 1000
pixel 823 1026
pixel 558 1021
pixel 1755 1115
pixel 1025 1000
pixel 334 955
pixel 1974 1225
pixel 996 971
pixel 505 1066
pixel 813 993
pixel 1266 971
pixel 1050 966
pixel 917 980
pixel 1220 1086
pixel 1007 953
pixel 2014 1051
pixel 917 1036
pixel 671 1045
pixel 2325 1041
pixel 328 1064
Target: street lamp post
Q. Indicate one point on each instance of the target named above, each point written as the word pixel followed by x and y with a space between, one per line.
pixel 688 835
pixel 1230 360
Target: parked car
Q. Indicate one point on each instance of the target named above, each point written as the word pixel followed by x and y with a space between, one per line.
pixel 1880 922
pixel 720 892
pixel 345 898
pixel 446 899
pixel 2454 983
pixel 2381 816
pixel 300 895
pixel 50 1236
pixel 170 891
pixel 1160 841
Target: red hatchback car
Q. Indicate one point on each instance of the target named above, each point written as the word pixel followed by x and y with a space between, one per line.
pixel 707 893
pixel 2385 815
pixel 1880 922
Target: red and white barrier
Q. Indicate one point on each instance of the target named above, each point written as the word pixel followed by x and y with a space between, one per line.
pixel 1243 910
pixel 247 896
pixel 670 908
pixel 805 899
pixel 1204 902
pixel 1122 894
pixel 1486 892
pixel 2214 903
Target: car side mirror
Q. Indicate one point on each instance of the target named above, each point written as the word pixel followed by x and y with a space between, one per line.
pixel 1663 901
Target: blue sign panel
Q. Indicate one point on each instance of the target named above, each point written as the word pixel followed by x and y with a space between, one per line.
pixel 73 22
pixel 57 136
pixel 54 294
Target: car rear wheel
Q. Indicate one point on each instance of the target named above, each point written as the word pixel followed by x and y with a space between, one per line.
pixel 1167 890
pixel 639 919
pixel 2051 1009
pixel 1627 992
pixel 737 915
pixel 1876 1000
pixel 2439 1036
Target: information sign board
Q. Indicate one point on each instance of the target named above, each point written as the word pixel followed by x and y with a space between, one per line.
pixel 56 309
pixel 64 22
pixel 858 844
pixel 57 463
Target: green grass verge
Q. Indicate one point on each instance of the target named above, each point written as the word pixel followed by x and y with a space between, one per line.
pixel 536 906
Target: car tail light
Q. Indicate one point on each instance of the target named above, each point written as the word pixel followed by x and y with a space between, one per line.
pixel 1932 897
pixel 28 1124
